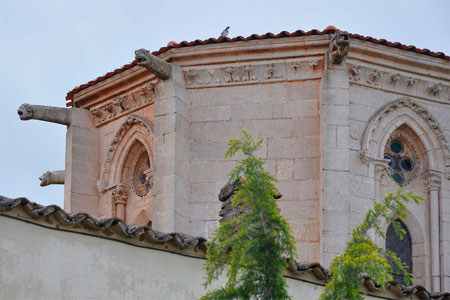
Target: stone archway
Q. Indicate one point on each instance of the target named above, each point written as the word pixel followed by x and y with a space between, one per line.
pixel 436 157
pixel 127 171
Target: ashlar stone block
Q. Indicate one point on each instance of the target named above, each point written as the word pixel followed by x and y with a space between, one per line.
pixel 285 169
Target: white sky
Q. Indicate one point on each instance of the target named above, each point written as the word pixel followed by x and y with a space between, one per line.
pixel 49 47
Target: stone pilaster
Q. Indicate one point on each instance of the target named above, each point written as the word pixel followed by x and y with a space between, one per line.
pixel 335 160
pixel 171 155
pixel 80 188
pixel 433 184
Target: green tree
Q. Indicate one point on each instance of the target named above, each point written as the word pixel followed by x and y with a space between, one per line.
pixel 252 246
pixel 362 257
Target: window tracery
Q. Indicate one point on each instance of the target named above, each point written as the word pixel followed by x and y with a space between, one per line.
pixel 403 156
pixel 142 175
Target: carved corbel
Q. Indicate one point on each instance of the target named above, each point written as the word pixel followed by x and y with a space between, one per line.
pixel 162 69
pixel 53 177
pixel 339 47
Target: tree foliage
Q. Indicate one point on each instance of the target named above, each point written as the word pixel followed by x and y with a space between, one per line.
pixel 362 257
pixel 253 246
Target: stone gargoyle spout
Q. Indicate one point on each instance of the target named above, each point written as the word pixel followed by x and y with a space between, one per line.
pixel 60 115
pixel 339 47
pixel 53 177
pixel 162 69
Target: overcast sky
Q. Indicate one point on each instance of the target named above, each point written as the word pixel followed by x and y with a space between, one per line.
pixel 49 47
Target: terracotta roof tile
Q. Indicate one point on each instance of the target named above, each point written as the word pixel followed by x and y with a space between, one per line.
pixel 269 35
pixel 36 211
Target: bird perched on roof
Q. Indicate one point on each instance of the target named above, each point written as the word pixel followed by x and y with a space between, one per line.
pixel 224 32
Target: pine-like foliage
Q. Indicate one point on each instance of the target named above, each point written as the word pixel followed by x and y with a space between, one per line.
pixel 363 258
pixel 252 247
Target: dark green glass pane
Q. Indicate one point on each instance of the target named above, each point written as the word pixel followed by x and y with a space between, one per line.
pixel 396 147
pixel 398 178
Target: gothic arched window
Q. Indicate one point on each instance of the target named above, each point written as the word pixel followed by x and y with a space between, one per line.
pixel 401 247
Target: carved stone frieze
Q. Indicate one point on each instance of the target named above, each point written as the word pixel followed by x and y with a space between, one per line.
pixel 373 78
pixel 432 180
pixel 272 72
pixel 353 72
pixel 399 83
pixel 304 68
pixel 410 82
pixel 435 89
pixel 395 78
pixel 124 104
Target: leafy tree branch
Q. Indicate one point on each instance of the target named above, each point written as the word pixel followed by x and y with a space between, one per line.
pixel 362 257
pixel 252 247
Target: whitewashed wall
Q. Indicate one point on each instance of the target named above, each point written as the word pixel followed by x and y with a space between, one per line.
pixel 44 263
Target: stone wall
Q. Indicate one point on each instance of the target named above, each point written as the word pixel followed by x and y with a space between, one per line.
pixel 367 92
pixel 287 116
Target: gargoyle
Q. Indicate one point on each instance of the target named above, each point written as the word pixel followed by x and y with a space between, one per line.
pixel 162 69
pixel 25 112
pixel 60 115
pixel 339 47
pixel 52 177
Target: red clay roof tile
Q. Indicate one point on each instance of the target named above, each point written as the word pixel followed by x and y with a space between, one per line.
pixel 269 35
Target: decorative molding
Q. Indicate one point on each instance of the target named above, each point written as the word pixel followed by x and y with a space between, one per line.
pixel 305 68
pixel 398 83
pixel 124 104
pixel 432 180
pixel 112 148
pixel 434 89
pixel 120 194
pixel 353 72
pixel 420 111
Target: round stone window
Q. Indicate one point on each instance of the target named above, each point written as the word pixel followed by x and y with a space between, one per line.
pixel 142 177
pixel 401 156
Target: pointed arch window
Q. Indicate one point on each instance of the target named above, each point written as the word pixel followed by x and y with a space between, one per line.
pixel 401 247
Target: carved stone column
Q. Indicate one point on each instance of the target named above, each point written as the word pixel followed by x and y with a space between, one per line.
pixel 433 184
pixel 120 197
pixel 380 170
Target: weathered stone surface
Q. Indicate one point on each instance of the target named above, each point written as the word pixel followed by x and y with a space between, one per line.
pixel 52 177
pixel 157 66
pixel 52 114
pixel 339 47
